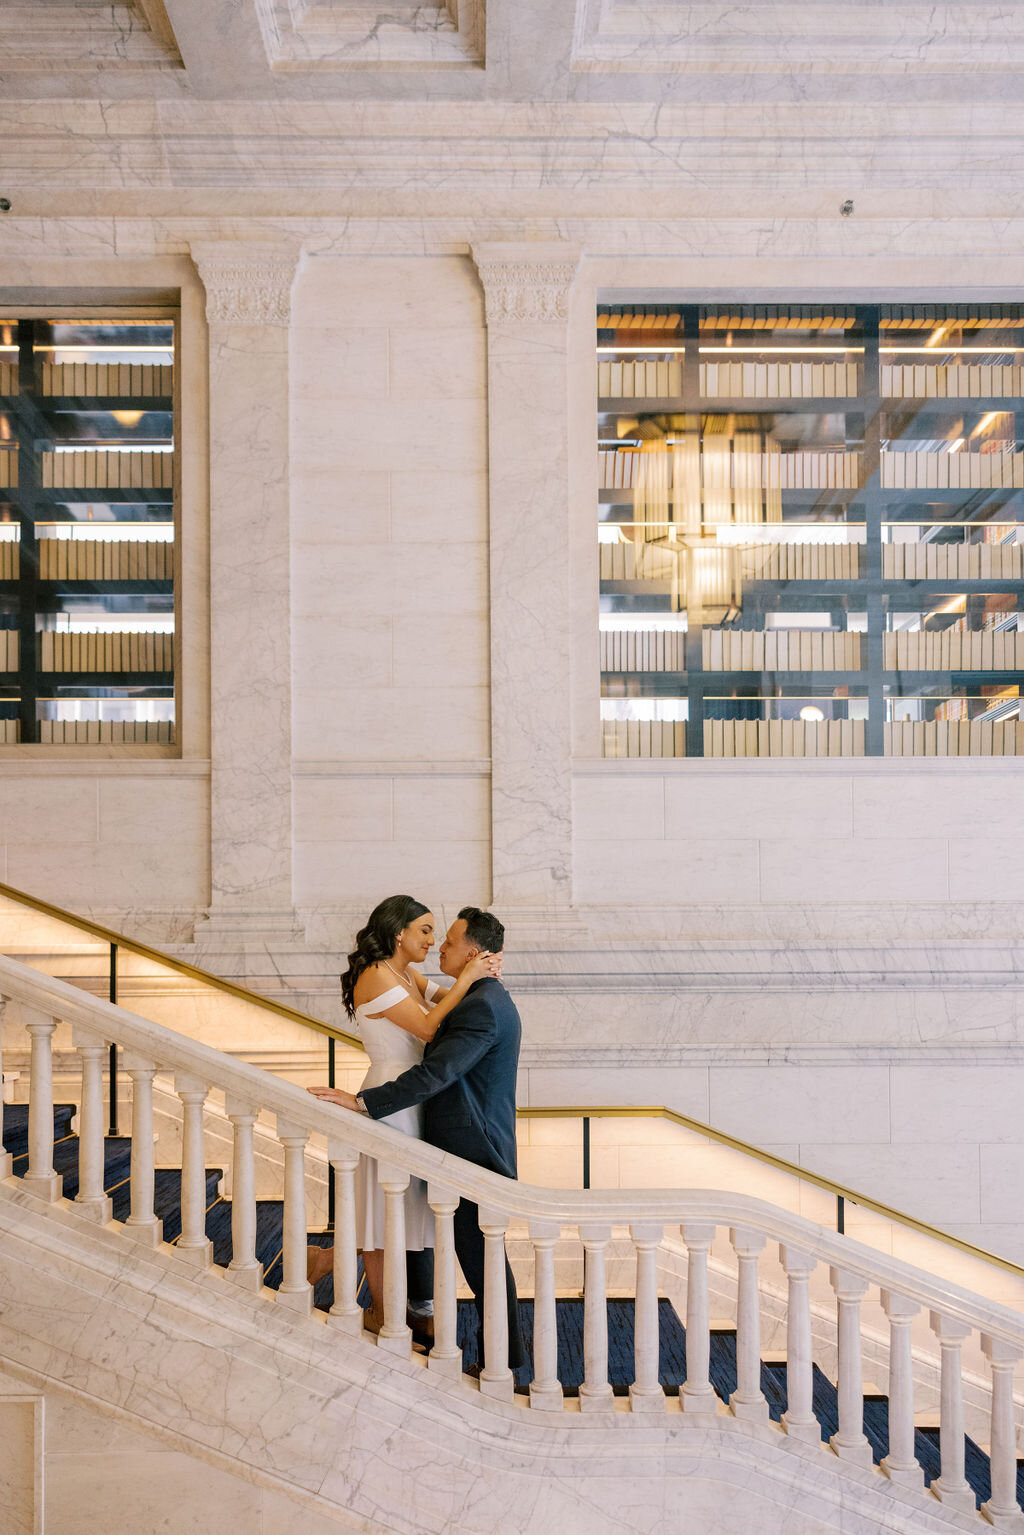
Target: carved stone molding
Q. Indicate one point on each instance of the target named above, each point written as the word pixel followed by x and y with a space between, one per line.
pixel 524 287
pixel 246 286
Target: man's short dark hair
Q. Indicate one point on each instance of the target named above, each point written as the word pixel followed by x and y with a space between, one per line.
pixel 483 929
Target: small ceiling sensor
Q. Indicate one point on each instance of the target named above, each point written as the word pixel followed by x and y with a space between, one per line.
pixel 5 205
pixel 846 208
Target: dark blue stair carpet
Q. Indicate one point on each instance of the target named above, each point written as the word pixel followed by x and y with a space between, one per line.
pixel 16 1127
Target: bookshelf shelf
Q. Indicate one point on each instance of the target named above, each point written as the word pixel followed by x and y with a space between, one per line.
pixel 789 426
pixel 87 581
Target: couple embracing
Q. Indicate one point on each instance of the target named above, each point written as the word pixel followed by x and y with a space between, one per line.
pixel 443 1063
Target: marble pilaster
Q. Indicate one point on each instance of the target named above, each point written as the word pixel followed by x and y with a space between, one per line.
pixel 527 289
pixel 248 290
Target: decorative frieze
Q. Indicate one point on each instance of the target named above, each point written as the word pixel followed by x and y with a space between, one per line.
pixel 523 288
pixel 246 288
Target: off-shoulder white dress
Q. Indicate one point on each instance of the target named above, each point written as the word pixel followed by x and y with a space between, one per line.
pixel 391 1050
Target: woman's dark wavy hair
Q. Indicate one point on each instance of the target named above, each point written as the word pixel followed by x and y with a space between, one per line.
pixel 376 941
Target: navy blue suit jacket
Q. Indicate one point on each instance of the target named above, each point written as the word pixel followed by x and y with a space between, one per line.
pixel 466 1081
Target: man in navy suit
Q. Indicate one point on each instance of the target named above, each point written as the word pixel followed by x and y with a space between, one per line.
pixel 467 1085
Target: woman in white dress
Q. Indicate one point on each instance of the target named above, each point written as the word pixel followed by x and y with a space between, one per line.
pixel 397 1010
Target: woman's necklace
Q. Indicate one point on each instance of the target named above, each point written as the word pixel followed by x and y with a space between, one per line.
pixel 403 978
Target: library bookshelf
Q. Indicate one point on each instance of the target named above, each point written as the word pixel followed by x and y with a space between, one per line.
pixel 811 529
pixel 87 530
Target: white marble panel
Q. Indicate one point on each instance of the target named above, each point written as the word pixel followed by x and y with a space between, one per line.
pixel 613 809
pixel 989 866
pixel 420 724
pixel 399 434
pixel 373 581
pixel 139 809
pixel 807 1103
pixel 974 1104
pixel 449 364
pixel 336 873
pixel 938 1182
pixel 19 1456
pixel 331 363
pixel 438 648
pixel 694 872
pixel 781 806
pixel 929 804
pixel 332 652
pixel 400 292
pixel 159 876
pixel 891 868
pixel 1002 1179
pixel 153 1491
pixel 53 810
pixel 340 810
pixel 555 1085
pixel 428 809
pixel 333 504
pixel 439 507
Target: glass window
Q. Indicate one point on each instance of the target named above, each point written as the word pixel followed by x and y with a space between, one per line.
pixel 810 529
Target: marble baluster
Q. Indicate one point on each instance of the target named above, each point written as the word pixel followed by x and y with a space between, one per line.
pixel 395 1334
pixel 526 288
pixel 798 1420
pixel 495 1377
pixel 901 1464
pixel 748 1400
pixel 244 1268
pixel 41 1177
pixel 595 1392
pixel 697 1394
pixel 1002 1509
pixel 142 1225
pixel 346 1312
pixel 446 1355
pixel 193 1243
pixel 850 1442
pixel 951 1486
pixel 646 1393
pixel 91 1199
pixel 6 1160
pixel 295 1290
pixel 545 1388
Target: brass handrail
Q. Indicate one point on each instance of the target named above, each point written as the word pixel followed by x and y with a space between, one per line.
pixel 180 965
pixel 572 1111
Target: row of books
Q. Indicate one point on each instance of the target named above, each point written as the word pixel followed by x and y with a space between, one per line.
pixel 643 650
pixel 8 378
pixel 783 738
pixel 833 468
pixel 949 316
pixel 636 562
pixel 96 468
pixel 8 650
pixel 923 381
pixel 780 650
pixel 978 651
pixel 639 380
pixel 8 468
pixel 10 732
pixel 10 560
pixel 113 650
pixel 106 732
pixel 800 562
pixel 778 380
pixel 85 380
pixel 643 738
pixel 777 317
pixel 105 559
pixel 969 562
pixel 954 738
pixel 952 471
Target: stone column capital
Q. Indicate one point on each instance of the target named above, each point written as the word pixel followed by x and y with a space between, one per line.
pixel 246 284
pixel 526 282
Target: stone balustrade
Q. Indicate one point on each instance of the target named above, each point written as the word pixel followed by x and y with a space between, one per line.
pixel 35 1002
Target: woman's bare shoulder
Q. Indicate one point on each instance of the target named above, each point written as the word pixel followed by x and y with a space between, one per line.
pixel 374 982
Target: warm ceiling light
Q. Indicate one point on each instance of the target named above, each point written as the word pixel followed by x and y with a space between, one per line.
pixel 812 715
pixel 127 417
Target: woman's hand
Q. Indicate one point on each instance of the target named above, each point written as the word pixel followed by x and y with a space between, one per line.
pixel 481 965
pixel 335 1095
